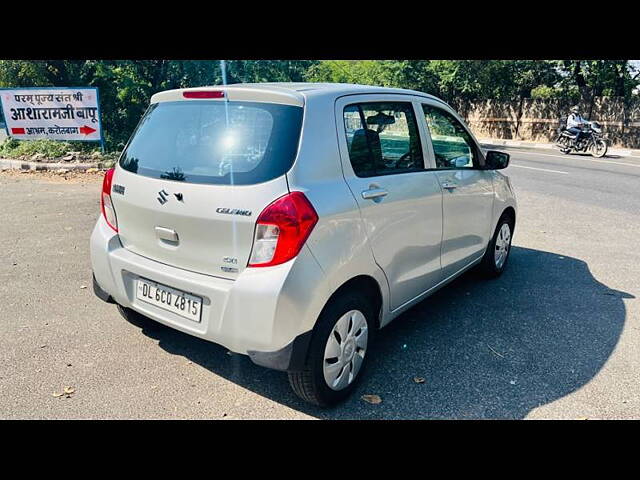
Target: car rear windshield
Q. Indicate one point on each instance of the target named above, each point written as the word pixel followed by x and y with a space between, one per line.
pixel 231 143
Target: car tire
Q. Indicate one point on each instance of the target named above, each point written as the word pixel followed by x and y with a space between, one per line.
pixel 496 256
pixel 128 314
pixel 136 318
pixel 311 383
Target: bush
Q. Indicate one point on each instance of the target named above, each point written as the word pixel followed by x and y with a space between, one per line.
pixel 544 92
pixel 51 149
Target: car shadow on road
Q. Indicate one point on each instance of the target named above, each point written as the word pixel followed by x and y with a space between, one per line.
pixel 486 348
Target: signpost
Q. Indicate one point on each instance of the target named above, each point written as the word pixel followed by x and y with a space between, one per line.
pixel 53 113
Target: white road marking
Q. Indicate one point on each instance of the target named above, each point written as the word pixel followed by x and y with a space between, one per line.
pixel 541 169
pixel 567 157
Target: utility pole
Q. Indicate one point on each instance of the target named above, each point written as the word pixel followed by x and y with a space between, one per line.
pixel 223 69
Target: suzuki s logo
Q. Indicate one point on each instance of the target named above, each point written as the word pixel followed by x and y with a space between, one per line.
pixel 162 197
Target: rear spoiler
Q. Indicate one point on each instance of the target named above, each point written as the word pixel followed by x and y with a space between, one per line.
pixel 266 94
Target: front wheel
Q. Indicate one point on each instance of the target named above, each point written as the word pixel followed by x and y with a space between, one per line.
pixel 599 148
pixel 497 253
pixel 338 351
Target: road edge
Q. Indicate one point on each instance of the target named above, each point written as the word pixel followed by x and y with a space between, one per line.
pixel 625 152
pixel 9 164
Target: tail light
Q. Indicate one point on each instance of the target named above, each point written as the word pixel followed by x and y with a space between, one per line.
pixel 105 201
pixel 281 230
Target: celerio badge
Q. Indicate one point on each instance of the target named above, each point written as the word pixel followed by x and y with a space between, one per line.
pixel 234 211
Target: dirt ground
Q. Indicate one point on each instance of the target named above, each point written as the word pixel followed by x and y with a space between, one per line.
pixel 52 177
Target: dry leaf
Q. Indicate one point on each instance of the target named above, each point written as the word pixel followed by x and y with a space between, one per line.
pixel 418 379
pixel 496 353
pixel 69 390
pixel 373 399
pixel 57 394
pixel 83 286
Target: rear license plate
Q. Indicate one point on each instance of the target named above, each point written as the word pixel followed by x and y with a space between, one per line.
pixel 176 301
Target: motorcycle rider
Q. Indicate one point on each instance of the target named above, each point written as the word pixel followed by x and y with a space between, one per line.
pixel 574 122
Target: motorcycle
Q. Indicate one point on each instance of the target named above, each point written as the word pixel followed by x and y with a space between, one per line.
pixel 592 140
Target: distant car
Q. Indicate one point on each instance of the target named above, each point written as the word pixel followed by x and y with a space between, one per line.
pixel 289 222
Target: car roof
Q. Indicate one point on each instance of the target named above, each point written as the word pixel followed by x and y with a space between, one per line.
pixel 293 92
pixel 331 89
pixel 335 88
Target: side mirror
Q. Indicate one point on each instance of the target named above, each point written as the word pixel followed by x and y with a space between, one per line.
pixel 460 162
pixel 495 160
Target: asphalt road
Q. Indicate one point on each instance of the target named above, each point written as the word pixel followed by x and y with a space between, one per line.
pixel 555 337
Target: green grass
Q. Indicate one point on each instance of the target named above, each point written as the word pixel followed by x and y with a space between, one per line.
pixel 12 148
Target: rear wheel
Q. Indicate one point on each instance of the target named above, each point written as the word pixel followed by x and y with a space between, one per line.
pixel 128 314
pixel 138 319
pixel 495 258
pixel 563 144
pixel 599 148
pixel 338 351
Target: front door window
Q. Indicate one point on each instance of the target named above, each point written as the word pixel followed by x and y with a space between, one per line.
pixel 452 144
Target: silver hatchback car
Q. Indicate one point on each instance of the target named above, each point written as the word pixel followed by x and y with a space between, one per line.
pixel 291 221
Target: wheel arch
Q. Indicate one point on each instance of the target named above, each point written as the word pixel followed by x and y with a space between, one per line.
pixel 512 213
pixel 365 284
pixel 508 209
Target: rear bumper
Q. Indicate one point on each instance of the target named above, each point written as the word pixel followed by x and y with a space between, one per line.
pixel 266 313
pixel 289 358
pixel 100 293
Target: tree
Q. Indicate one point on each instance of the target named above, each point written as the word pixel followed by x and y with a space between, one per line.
pixel 127 85
pixel 594 78
pixel 255 71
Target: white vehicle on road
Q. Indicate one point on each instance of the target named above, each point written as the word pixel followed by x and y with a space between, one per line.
pixel 290 222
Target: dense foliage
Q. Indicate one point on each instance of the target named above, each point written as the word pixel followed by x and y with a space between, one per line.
pixel 126 85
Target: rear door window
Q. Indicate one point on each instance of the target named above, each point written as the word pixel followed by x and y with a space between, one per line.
pixel 215 142
pixel 382 138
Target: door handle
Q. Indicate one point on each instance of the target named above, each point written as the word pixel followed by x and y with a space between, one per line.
pixel 374 193
pixel 449 185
